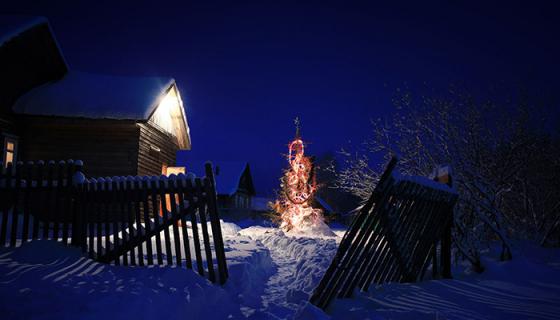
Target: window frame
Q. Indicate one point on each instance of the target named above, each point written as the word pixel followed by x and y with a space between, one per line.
pixel 15 142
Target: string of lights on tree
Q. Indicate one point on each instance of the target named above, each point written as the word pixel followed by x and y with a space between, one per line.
pixel 298 187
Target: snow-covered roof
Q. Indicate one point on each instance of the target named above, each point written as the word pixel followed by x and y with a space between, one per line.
pixel 95 96
pixel 227 174
pixel 13 25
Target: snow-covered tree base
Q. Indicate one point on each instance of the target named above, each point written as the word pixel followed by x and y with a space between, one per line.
pixel 317 228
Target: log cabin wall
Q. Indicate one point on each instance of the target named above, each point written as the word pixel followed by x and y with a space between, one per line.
pixel 156 149
pixel 107 147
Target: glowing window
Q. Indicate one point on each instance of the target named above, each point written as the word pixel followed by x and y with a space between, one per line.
pixel 169 116
pixel 9 151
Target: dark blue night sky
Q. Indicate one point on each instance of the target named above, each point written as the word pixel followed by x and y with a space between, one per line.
pixel 247 69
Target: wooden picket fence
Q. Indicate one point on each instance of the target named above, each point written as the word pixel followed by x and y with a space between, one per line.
pixel 120 220
pixel 392 238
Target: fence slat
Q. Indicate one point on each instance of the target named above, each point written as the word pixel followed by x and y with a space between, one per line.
pixel 138 226
pixel 194 228
pixel 181 184
pixel 27 201
pixel 165 218
pixel 120 186
pixel 49 201
pixel 211 196
pixel 175 217
pixel 15 208
pixel 147 223
pixel 56 217
pixel 204 227
pixel 39 199
pixel 130 208
pixel 155 206
pixel 116 214
pixel 69 208
pixel 4 203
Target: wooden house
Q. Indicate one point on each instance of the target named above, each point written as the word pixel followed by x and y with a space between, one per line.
pixel 29 57
pixel 234 186
pixel 117 125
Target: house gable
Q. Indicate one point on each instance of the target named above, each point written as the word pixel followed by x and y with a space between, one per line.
pixel 169 115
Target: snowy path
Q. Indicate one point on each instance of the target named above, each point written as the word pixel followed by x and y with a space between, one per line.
pixel 276 289
pixel 299 264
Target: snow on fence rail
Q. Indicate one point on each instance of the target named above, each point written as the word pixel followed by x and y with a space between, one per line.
pixel 392 238
pixel 115 219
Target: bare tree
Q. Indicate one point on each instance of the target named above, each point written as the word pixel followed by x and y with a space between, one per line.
pixel 490 147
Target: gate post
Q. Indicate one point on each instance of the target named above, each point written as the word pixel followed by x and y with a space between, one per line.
pixel 443 175
pixel 79 222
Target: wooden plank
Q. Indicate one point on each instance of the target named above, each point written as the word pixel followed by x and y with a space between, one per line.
pixel 165 218
pixel 40 199
pixel 91 215
pixel 137 206
pixel 15 210
pixel 155 206
pixel 204 226
pixel 119 184
pixel 181 185
pixel 105 216
pixel 27 201
pixel 56 217
pixel 194 227
pixel 6 203
pixel 69 211
pixel 98 216
pixel 132 206
pixel 176 217
pixel 114 209
pixel 80 209
pixel 49 201
pixel 211 196
pixel 147 222
pixel 446 250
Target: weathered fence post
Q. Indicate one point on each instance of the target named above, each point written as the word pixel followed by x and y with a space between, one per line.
pixel 6 201
pixel 15 208
pixel 215 223
pixel 444 176
pixel 78 210
pixel 27 201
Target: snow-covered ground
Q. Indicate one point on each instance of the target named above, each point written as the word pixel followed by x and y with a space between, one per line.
pixel 271 277
pixel 528 287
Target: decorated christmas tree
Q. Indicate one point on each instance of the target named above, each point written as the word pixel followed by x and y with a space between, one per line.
pixel 298 187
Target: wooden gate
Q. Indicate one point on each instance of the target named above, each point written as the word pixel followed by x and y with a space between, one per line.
pixel 391 238
pixel 121 220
